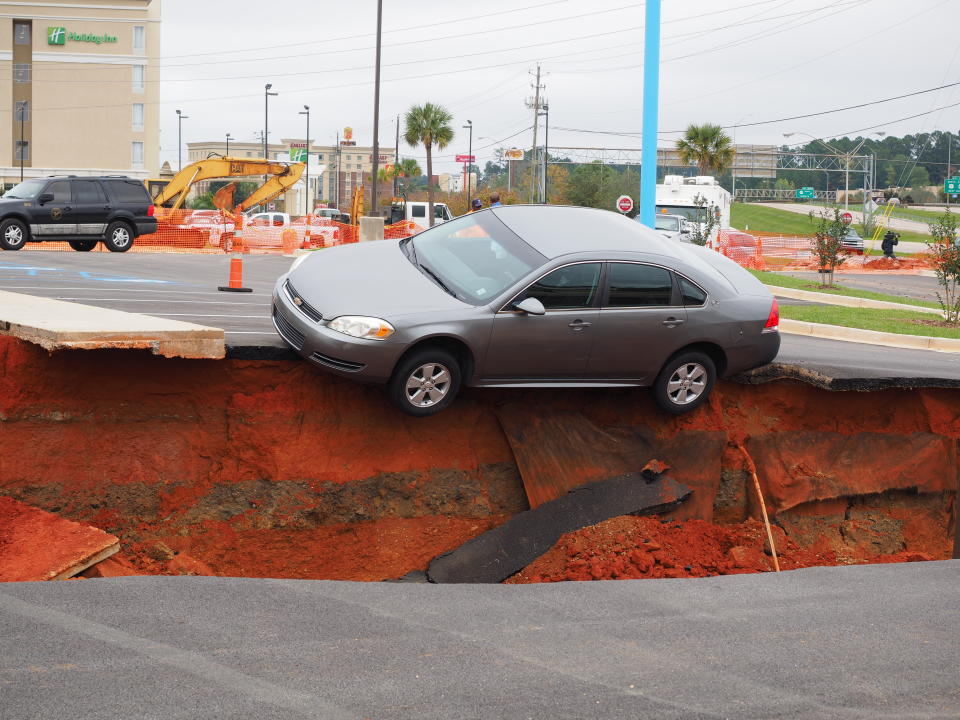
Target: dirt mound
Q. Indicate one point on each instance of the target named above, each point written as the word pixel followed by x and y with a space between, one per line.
pixel 648 547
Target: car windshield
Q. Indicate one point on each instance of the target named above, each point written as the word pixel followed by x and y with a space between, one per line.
pixel 27 190
pixel 665 222
pixel 475 257
pixel 688 212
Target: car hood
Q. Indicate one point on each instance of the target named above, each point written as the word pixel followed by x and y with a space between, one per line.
pixel 372 278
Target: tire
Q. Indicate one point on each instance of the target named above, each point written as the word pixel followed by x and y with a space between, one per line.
pixel 83 245
pixel 684 383
pixel 13 234
pixel 431 369
pixel 119 237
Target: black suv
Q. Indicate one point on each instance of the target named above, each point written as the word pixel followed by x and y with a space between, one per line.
pixel 79 210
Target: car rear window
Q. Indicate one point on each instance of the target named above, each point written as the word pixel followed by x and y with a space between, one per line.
pixel 128 191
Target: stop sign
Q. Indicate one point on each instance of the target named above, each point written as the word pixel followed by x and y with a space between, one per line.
pixel 624 203
pixel 847 218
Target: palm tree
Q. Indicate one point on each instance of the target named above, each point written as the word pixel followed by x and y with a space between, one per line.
pixel 428 125
pixel 708 146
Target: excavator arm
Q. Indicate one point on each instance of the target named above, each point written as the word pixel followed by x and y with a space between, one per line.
pixel 283 177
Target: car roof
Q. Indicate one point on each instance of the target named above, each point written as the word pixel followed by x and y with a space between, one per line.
pixel 555 230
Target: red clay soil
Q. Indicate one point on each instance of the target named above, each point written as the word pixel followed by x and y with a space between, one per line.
pixel 38 545
pixel 630 547
pixel 274 469
pixel 855 263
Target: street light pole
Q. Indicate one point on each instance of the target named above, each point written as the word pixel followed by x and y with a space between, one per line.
pixel 180 118
pixel 266 117
pixel 228 146
pixel 546 147
pixel 22 112
pixel 469 126
pixel 306 202
pixel 376 115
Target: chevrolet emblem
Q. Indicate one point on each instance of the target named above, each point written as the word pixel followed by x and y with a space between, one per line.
pixel 297 301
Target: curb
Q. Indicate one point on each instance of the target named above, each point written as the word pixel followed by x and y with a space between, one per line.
pixel 846 301
pixel 870 337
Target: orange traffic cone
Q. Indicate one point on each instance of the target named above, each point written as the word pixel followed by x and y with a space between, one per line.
pixel 236 277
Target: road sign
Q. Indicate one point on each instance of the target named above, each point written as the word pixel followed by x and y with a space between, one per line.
pixel 624 203
pixel 951 185
pixel 847 218
pixel 466 158
pixel 806 193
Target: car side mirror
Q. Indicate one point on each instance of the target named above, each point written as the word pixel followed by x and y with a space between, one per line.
pixel 685 231
pixel 531 306
pixel 45 198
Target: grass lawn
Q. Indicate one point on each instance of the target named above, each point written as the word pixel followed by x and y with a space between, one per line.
pixel 903 322
pixel 754 216
pixel 920 214
pixel 788 281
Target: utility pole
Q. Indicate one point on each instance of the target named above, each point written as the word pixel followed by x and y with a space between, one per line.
pixel 651 113
pixel 307 203
pixel 396 159
pixel 336 177
pixel 546 147
pixel 949 143
pixel 376 116
pixel 466 175
pixel 536 121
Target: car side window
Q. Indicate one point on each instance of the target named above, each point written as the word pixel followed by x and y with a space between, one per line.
pixel 88 192
pixel 566 288
pixel 60 191
pixel 692 294
pixel 636 285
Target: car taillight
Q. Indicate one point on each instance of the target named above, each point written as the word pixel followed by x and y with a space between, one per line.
pixel 773 319
pixel 151 210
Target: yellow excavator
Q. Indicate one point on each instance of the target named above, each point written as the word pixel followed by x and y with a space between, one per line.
pixel 171 195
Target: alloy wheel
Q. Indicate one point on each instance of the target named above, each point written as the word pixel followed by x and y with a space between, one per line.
pixel 687 383
pixel 428 385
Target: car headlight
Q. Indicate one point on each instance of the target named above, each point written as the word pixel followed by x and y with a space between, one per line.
pixel 298 262
pixel 370 328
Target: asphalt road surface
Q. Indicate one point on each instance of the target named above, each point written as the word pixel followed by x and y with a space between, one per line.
pixel 910 286
pixel 184 287
pixel 849 642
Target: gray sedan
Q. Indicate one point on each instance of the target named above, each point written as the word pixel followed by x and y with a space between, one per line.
pixel 527 296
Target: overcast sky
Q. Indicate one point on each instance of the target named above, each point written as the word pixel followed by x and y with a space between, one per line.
pixel 732 62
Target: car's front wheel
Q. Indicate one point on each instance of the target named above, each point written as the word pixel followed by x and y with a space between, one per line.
pixel 425 382
pixel 83 245
pixel 119 237
pixel 13 234
pixel 685 382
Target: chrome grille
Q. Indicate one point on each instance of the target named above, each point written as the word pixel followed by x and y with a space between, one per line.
pixel 287 331
pixel 301 304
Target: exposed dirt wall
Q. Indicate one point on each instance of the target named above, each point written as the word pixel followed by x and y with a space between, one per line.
pixel 275 469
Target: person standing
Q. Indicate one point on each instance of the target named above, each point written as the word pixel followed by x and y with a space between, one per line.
pixel 495 200
pixel 890 239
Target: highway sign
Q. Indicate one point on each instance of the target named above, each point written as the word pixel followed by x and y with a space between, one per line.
pixel 847 218
pixel 951 185
pixel 624 203
pixel 466 158
pixel 806 193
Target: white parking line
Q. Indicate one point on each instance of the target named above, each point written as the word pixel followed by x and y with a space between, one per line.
pixel 166 302
pixel 53 288
pixel 258 317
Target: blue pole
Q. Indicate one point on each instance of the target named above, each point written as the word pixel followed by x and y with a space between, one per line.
pixel 651 100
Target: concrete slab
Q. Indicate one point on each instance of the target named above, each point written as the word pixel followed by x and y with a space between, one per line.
pixel 38 545
pixel 59 325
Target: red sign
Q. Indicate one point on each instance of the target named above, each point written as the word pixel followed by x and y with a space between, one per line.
pixel 466 158
pixel 624 203
pixel 847 218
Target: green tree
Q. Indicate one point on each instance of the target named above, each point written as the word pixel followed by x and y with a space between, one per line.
pixel 946 264
pixel 708 146
pixel 428 125
pixel 827 243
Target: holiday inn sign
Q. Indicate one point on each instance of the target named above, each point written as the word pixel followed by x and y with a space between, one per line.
pixel 60 35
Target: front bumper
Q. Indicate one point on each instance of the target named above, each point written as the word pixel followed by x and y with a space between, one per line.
pixel 366 360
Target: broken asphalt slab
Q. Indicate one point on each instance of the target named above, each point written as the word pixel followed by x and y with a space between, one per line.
pixel 499 553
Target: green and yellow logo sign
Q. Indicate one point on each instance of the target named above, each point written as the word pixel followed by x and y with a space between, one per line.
pixel 59 36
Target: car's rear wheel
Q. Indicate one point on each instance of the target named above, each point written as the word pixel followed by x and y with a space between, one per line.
pixel 425 382
pixel 119 237
pixel 13 234
pixel 83 245
pixel 685 382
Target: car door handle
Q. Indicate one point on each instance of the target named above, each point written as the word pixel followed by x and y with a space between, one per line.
pixel 579 325
pixel 107 207
pixel 672 322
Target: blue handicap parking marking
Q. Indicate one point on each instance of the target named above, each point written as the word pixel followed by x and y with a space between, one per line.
pixel 34 270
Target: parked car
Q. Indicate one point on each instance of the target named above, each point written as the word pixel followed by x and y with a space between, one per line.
pixel 852 242
pixel 515 297
pixel 82 211
pixel 212 222
pixel 672 227
pixel 268 219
